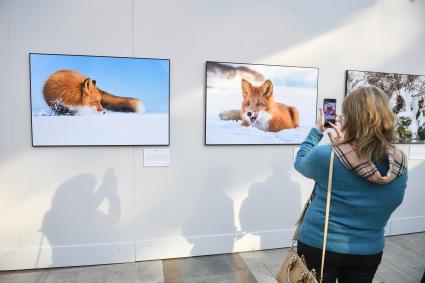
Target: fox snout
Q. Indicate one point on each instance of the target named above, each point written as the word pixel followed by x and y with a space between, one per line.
pixel 100 109
pixel 252 116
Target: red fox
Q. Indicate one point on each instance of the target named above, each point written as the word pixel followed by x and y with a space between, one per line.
pixel 260 110
pixel 66 91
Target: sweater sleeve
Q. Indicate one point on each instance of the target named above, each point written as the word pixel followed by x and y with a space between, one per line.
pixel 308 160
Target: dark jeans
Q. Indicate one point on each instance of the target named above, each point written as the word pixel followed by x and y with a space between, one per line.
pixel 347 268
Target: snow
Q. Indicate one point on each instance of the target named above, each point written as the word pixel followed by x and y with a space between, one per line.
pixel 232 132
pixel 108 129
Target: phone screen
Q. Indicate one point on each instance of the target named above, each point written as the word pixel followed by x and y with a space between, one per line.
pixel 329 110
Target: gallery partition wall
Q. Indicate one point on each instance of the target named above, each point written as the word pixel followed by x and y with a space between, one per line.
pixel 91 202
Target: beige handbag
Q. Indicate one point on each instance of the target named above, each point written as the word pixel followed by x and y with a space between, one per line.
pixel 294 268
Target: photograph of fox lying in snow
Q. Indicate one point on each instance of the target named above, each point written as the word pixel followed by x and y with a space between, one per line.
pixel 259 104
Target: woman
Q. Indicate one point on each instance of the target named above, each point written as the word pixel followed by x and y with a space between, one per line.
pixel 369 181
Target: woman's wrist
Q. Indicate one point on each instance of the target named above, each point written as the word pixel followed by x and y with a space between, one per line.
pixel 320 128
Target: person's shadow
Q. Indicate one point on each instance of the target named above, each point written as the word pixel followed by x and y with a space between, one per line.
pixel 213 209
pixel 75 219
pixel 271 205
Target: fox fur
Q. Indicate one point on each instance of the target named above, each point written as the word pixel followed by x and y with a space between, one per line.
pixel 261 111
pixel 66 91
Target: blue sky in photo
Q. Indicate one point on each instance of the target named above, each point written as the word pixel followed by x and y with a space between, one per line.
pixel 145 79
pixel 306 78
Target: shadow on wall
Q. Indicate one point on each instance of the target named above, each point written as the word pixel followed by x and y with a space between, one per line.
pixel 213 209
pixel 272 205
pixel 74 218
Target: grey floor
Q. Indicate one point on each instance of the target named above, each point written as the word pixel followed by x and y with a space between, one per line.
pixel 403 262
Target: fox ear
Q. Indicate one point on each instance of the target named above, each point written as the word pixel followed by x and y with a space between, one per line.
pixel 246 87
pixel 267 88
pixel 85 85
pixel 94 82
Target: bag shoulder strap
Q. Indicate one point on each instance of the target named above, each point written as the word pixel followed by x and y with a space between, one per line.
pixel 328 203
pixel 300 220
pixel 307 204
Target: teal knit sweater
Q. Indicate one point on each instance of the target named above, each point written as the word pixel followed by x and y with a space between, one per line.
pixel 359 209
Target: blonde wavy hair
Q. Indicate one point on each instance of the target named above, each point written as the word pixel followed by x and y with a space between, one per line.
pixel 369 123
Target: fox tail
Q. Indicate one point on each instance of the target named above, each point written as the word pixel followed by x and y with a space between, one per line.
pixel 121 104
pixel 230 115
pixel 294 115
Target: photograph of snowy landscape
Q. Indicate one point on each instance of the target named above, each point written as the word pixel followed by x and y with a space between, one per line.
pixel 99 100
pixel 407 96
pixel 259 104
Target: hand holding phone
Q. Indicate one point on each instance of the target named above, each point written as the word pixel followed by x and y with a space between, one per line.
pixel 329 110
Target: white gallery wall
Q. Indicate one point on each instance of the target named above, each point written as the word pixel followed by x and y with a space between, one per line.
pixel 63 206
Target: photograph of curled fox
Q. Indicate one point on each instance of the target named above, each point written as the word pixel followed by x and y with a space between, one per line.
pixel 259 104
pixel 67 91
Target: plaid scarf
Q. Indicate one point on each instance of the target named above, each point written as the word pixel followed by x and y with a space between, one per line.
pixel 397 161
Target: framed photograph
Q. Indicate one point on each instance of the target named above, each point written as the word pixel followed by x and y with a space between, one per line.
pixel 255 104
pixel 407 96
pixel 79 100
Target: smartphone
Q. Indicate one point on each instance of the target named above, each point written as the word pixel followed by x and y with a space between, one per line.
pixel 329 109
